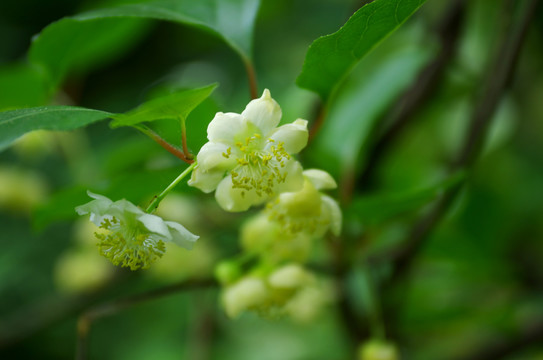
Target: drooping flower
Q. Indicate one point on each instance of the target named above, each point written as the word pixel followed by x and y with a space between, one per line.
pixel 134 238
pixel 248 158
pixel 308 210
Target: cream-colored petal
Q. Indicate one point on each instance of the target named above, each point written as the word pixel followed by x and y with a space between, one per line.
pixel 320 179
pixel 293 136
pixel 264 112
pixel 180 235
pixel 294 180
pixel 216 156
pixel 290 276
pixel 227 128
pixel 246 293
pixel 331 207
pixel 207 181
pixel 235 199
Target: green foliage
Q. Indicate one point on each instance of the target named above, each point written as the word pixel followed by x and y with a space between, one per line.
pixel 330 58
pixel 379 207
pixel 176 105
pixel 15 123
pixel 74 45
pixel 231 20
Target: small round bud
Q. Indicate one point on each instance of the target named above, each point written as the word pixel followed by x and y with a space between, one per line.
pixel 378 350
pixel 227 272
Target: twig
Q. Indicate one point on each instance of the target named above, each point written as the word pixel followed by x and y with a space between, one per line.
pixel 415 96
pixel 532 334
pixel 89 316
pixel 251 76
pixel 166 145
pixel 498 78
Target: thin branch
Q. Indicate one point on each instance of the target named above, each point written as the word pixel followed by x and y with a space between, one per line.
pixel 251 76
pixel 418 94
pixel 497 80
pixel 530 335
pixel 110 308
pixel 166 145
pixel 499 76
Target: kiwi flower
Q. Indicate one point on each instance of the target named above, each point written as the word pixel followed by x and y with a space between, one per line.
pixel 248 159
pixel 134 238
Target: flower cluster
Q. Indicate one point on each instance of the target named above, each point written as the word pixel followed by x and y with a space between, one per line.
pixel 133 238
pixel 249 161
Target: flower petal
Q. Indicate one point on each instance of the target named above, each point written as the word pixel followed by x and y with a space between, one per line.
pixel 293 136
pixel 155 225
pixel 235 199
pixel 290 276
pixel 320 179
pixel 294 180
pixel 244 294
pixel 216 155
pixel 335 217
pixel 227 128
pixel 207 181
pixel 181 236
pixel 264 112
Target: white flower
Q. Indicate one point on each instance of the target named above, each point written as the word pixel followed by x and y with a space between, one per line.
pixel 248 158
pixel 308 210
pixel 134 239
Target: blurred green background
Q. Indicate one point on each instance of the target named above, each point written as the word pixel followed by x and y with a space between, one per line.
pixel 477 282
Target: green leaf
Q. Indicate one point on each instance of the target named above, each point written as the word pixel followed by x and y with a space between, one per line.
pixel 176 105
pixel 18 122
pixel 377 208
pixel 72 45
pixel 91 38
pixel 21 85
pixel 361 102
pixel 231 20
pixel 330 58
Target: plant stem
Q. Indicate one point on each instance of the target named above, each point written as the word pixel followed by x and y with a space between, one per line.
pixel 251 76
pixel 166 145
pixel 110 308
pixel 186 151
pixel 158 199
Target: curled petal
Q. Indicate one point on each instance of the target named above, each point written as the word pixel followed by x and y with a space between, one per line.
pixel 332 208
pixel 227 128
pixel 207 181
pixel 264 112
pixel 235 199
pixel 216 156
pixel 321 180
pixel 155 225
pixel 293 136
pixel 181 236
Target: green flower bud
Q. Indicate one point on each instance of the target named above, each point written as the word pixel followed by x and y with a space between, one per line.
pixel 378 350
pixel 227 272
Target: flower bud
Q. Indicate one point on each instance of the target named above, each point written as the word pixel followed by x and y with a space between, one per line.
pixel 247 293
pixel 227 272
pixel 378 350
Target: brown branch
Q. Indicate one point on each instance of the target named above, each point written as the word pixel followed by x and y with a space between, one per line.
pixel 531 334
pixel 499 76
pixel 418 94
pixel 251 77
pixel 89 316
pixel 166 145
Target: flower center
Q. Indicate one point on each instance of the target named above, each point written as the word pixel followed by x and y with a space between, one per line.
pixel 258 169
pixel 128 247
